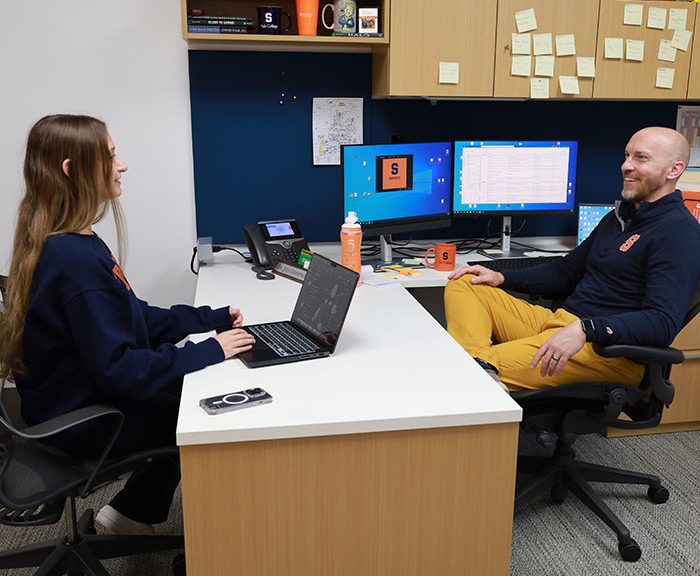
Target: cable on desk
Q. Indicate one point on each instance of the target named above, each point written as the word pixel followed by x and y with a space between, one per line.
pixel 217 248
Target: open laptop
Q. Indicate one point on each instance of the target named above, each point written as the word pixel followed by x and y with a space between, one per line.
pixel 316 322
pixel 588 217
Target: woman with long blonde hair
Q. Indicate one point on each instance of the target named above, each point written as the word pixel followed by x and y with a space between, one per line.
pixel 73 332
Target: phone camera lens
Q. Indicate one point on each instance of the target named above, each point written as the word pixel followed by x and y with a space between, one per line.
pixel 253 391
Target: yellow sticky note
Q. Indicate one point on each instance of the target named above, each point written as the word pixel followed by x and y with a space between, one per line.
pixel 520 43
pixel 568 85
pixel 585 66
pixel 633 14
pixel 664 78
pixel 681 39
pixel 525 20
pixel 566 44
pixel 449 73
pixel 542 44
pixel 521 66
pixel 544 66
pixel 635 50
pixel 613 48
pixel 539 88
pixel 656 18
pixel 677 18
pixel 667 53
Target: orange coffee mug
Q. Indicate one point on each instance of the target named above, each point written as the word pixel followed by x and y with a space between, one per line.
pixel 445 256
pixel 307 17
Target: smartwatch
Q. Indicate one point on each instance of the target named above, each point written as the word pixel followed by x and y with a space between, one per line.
pixel 588 328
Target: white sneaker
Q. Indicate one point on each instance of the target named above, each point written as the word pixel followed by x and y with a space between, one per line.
pixel 116 523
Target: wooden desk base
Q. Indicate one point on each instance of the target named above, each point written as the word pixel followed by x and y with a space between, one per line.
pixel 412 503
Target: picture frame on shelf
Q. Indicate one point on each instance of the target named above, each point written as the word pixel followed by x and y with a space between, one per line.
pixel 368 20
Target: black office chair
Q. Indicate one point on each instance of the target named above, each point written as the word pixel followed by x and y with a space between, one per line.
pixel 558 416
pixel 39 483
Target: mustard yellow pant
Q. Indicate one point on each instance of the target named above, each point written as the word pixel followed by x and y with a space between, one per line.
pixel 506 331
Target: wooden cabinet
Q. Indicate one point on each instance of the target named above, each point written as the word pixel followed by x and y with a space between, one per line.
pixel 290 39
pixel 424 34
pixel 620 78
pixel 556 18
pixel 686 378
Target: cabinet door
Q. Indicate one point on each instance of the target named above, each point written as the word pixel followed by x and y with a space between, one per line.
pixel 686 404
pixel 694 81
pixel 556 18
pixel 424 34
pixel 621 78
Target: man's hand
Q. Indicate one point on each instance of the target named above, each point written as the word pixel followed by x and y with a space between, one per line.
pixel 236 317
pixel 556 351
pixel 234 342
pixel 481 275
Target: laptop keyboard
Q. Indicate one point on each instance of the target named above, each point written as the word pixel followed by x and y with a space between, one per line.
pixel 283 339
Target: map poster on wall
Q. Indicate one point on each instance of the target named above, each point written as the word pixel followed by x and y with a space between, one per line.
pixel 336 121
pixel 688 124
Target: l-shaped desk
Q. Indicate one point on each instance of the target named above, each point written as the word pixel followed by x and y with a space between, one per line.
pixel 395 456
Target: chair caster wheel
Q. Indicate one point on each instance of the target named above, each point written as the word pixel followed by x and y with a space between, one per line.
pixel 558 494
pixel 658 495
pixel 630 552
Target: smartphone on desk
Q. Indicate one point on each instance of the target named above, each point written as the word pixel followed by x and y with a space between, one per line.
pixel 235 401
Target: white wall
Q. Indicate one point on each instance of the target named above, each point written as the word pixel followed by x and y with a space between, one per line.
pixel 123 61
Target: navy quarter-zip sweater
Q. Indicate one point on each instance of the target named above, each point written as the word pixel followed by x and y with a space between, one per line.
pixel 88 339
pixel 634 276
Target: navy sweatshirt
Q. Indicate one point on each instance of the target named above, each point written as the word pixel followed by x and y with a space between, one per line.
pixel 634 276
pixel 88 339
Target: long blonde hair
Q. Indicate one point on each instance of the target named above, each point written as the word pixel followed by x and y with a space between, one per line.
pixel 55 203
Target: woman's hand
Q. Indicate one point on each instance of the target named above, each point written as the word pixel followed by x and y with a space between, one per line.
pixel 236 317
pixel 235 341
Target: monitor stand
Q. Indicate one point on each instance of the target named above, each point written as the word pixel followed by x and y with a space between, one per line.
pixel 384 252
pixel 505 250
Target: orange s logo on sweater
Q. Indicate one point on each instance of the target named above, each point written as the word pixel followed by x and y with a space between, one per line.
pixel 628 243
pixel 117 271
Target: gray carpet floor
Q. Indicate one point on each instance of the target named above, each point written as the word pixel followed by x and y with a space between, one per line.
pixel 547 539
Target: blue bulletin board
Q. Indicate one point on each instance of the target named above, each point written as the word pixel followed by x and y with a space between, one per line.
pixel 252 133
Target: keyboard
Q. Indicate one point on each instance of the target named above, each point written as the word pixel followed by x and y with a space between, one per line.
pixel 503 264
pixel 283 339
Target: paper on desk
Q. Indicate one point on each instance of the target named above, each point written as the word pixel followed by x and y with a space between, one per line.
pixel 536 253
pixel 371 278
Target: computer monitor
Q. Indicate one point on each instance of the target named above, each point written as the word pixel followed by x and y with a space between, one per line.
pixel 588 217
pixel 512 178
pixel 397 187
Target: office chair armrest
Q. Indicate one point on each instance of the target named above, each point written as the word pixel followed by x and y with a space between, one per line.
pixel 67 421
pixel 641 354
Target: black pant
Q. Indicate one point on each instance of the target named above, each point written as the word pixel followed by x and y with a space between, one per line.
pixel 148 494
pixel 151 423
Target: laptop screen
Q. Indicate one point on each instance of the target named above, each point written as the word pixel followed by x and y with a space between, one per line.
pixel 324 299
pixel 588 217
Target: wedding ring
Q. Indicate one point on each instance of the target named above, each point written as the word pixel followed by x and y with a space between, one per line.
pixel 555 358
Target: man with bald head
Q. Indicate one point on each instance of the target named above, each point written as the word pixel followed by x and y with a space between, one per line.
pixel 630 282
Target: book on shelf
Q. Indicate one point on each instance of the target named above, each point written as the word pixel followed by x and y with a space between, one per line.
pixel 359 34
pixel 218 29
pixel 219 21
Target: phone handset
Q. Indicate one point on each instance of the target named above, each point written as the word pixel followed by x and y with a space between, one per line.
pixel 256 246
